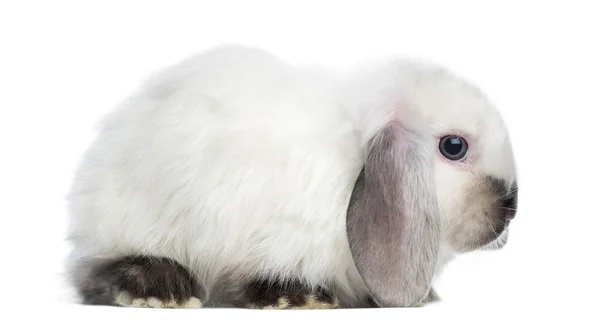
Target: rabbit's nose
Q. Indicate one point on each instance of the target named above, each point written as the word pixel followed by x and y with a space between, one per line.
pixel 509 204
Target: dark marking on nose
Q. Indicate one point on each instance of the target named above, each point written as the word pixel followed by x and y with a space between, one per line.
pixel 496 185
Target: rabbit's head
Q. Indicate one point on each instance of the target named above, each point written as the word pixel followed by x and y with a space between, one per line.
pixel 439 169
pixel 474 168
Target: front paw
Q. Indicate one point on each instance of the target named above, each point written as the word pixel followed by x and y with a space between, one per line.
pixel 432 297
pixel 290 295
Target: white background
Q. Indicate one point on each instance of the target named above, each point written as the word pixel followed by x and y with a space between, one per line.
pixel 65 64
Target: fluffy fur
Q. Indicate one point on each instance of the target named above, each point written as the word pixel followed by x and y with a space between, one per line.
pixel 238 164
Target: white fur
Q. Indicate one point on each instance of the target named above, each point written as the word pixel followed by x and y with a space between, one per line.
pixel 235 160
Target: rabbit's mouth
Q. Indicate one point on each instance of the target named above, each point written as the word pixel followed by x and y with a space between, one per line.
pixel 497 233
pixel 505 213
pixel 485 228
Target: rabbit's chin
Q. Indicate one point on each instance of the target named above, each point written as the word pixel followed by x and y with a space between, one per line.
pixel 493 238
pixel 499 242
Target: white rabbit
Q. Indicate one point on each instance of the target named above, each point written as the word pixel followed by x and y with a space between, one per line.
pixel 238 179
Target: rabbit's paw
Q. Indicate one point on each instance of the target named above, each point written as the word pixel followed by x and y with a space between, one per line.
pixel 432 297
pixel 141 281
pixel 288 295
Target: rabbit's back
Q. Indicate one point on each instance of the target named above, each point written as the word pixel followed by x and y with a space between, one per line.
pixel 230 161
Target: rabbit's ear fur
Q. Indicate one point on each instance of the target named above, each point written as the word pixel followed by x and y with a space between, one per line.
pixel 392 221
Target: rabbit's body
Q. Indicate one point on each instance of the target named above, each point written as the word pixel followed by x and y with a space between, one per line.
pixel 242 176
pixel 236 166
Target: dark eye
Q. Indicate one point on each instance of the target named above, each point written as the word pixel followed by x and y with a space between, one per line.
pixel 453 147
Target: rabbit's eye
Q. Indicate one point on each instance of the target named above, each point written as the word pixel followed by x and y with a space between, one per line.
pixel 453 147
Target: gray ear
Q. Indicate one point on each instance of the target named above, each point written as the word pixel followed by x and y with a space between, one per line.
pixel 392 220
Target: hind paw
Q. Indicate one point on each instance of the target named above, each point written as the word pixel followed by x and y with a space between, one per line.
pixel 141 281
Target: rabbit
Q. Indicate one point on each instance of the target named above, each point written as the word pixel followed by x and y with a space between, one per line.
pixel 235 178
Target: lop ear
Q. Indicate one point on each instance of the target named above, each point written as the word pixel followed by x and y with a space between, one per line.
pixel 392 220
